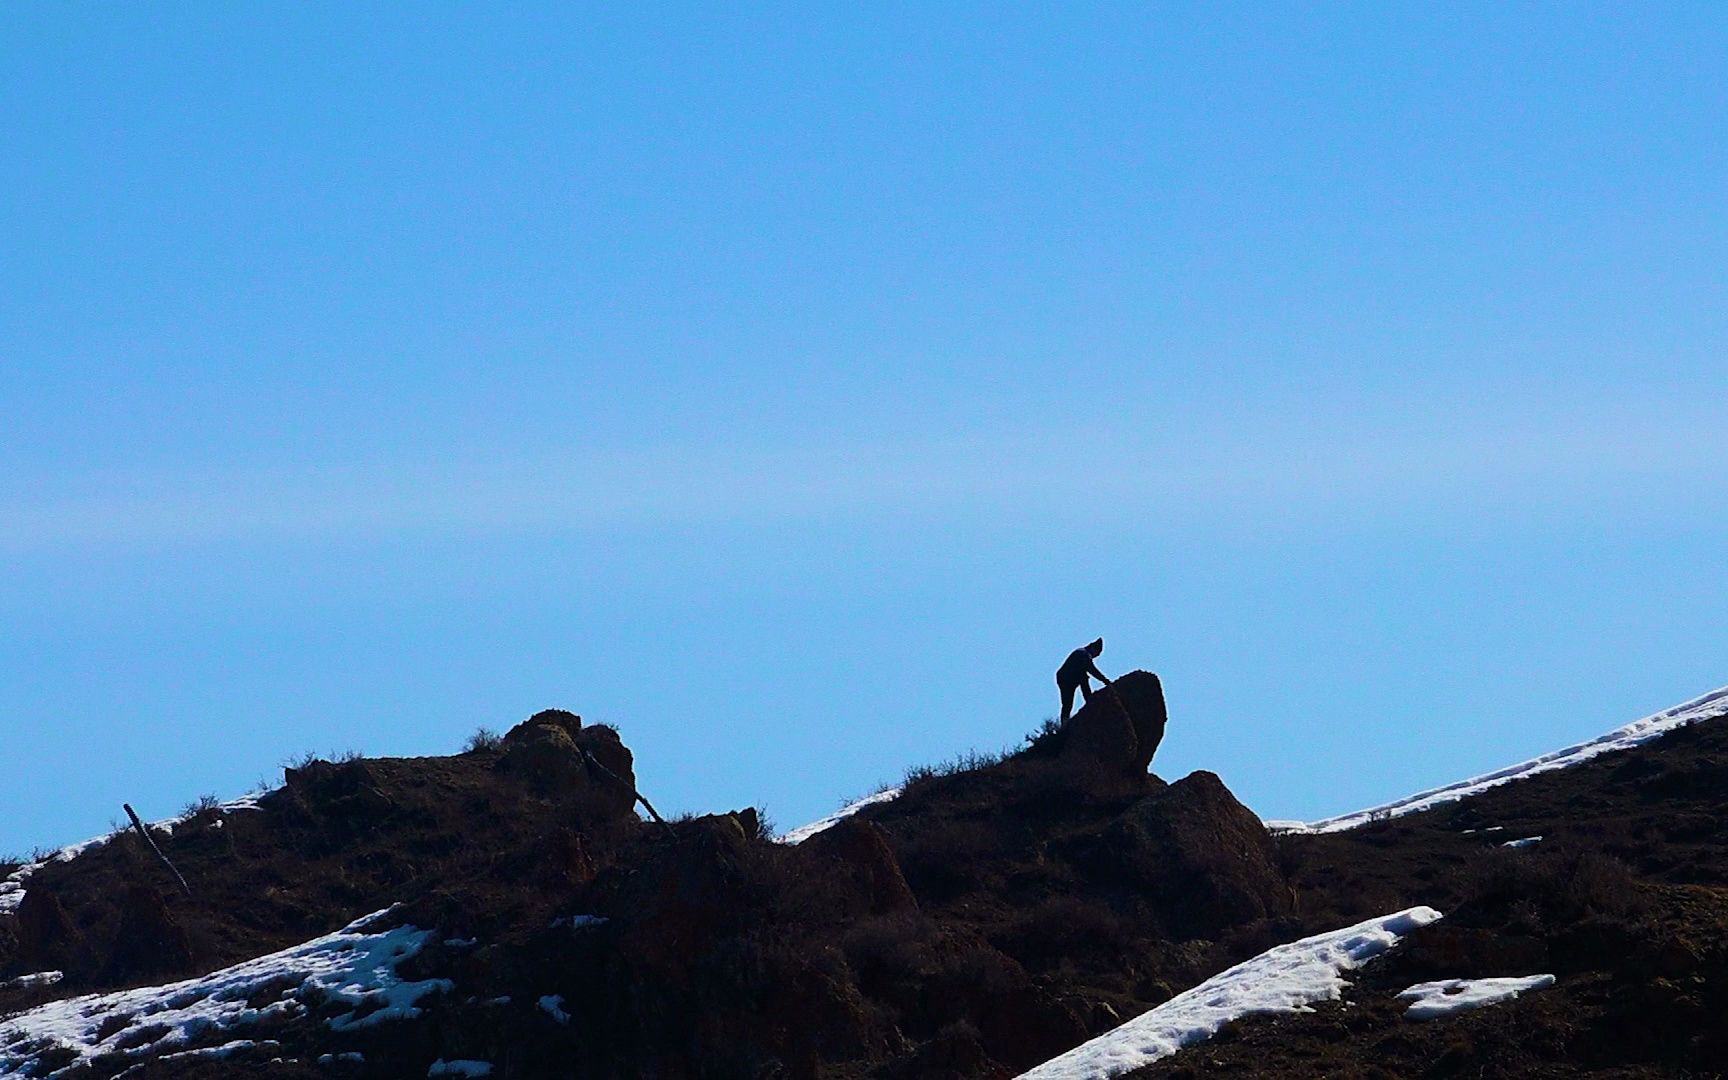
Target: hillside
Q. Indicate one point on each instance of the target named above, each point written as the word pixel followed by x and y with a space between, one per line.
pixel 505 912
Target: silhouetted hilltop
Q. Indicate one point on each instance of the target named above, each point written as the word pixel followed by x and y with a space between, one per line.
pixel 506 912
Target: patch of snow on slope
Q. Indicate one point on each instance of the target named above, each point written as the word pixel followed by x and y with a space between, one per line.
pixel 228 1049
pixel 1443 998
pixel 350 968
pixel 460 1067
pixel 1707 707
pixel 805 832
pixel 578 922
pixel 1284 979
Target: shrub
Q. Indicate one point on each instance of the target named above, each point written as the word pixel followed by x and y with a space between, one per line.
pixel 1287 851
pixel 888 948
pixel 970 761
pixel 335 757
pixel 1554 887
pixel 203 804
pixel 1061 928
pixel 948 857
pixel 484 738
pixel 1043 740
pixel 763 826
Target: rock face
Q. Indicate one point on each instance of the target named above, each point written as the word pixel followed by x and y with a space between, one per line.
pixel 546 751
pixel 1204 858
pixel 683 895
pixel 545 755
pixel 1119 729
pixel 340 791
pixel 862 850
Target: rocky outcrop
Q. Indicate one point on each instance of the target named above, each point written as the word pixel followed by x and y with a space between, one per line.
pixel 342 791
pixel 555 753
pixel 862 851
pixel 683 894
pixel 1118 731
pixel 612 793
pixel 1205 861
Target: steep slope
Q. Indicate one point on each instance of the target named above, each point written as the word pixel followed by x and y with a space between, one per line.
pixel 1610 874
pixel 1638 732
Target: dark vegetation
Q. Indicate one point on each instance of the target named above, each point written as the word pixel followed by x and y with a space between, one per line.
pixel 1000 910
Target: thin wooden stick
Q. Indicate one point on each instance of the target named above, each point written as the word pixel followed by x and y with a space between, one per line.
pixel 145 833
pixel 594 761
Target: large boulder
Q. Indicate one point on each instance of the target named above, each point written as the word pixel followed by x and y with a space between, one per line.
pixel 556 754
pixel 1204 861
pixel 1119 729
pixel 612 792
pixel 544 755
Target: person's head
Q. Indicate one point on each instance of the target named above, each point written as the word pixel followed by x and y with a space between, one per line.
pixel 1096 648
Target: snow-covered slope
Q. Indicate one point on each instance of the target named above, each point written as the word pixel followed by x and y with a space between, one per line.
pixel 1284 979
pixel 1706 707
pixel 352 968
pixel 805 832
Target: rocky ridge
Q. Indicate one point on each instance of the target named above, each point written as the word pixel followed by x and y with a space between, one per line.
pixel 980 923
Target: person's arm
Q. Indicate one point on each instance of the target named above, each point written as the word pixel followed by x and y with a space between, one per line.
pixel 1093 669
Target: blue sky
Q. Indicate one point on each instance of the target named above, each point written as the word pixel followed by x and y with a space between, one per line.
pixel 793 386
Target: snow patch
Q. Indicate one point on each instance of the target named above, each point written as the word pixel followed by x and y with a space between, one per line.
pixel 33 980
pixel 1447 996
pixel 553 1005
pixel 578 922
pixel 215 1052
pixel 1285 979
pixel 1707 707
pixel 805 832
pixel 349 967
pixel 227 1049
pixel 1522 843
pixel 459 1067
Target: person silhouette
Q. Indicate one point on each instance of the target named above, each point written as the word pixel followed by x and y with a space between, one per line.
pixel 1077 672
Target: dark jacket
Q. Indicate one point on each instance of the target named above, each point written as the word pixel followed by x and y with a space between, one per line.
pixel 1075 669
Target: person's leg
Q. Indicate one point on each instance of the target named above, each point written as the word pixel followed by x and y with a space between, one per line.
pixel 1067 701
pixel 1085 689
